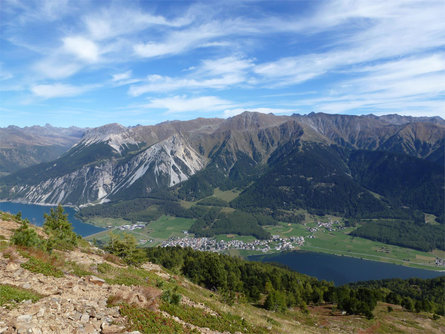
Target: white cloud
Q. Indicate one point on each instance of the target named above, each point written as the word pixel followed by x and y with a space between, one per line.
pixel 180 104
pixel 375 54
pixel 4 74
pixel 210 74
pixel 54 9
pixel 81 47
pixel 122 76
pixel 179 41
pixel 56 68
pixel 412 85
pixel 158 84
pixel 370 31
pixel 115 21
pixel 58 90
pixel 225 65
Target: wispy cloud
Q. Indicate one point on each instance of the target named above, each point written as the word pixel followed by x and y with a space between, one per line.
pixel 377 31
pixel 210 74
pixel 179 41
pixel 122 76
pixel 181 104
pixel 118 20
pixel 58 90
pixel 353 56
pixel 82 48
pixel 410 85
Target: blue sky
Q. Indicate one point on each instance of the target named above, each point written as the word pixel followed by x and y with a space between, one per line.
pixel 88 63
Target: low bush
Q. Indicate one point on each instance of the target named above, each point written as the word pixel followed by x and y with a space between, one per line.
pixel 37 265
pixel 126 248
pixel 26 236
pixel 171 296
pixel 224 322
pixel 147 321
pixel 10 295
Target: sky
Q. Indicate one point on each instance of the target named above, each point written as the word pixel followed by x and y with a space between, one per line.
pixel 89 63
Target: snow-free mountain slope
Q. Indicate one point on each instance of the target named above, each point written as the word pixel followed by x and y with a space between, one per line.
pixel 115 162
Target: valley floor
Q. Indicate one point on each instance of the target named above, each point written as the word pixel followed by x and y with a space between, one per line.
pixel 320 234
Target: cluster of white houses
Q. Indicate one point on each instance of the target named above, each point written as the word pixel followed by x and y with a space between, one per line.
pixel 213 245
pixel 132 227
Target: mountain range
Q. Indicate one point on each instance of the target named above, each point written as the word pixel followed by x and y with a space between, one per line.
pixel 383 173
pixel 24 147
pixel 115 162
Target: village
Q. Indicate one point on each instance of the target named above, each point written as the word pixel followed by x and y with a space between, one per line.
pixel 211 244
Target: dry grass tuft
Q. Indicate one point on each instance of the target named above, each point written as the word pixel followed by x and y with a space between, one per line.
pixel 113 259
pixel 10 254
pixel 143 297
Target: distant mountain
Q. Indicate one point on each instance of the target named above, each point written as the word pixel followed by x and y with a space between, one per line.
pixel 24 147
pixel 314 161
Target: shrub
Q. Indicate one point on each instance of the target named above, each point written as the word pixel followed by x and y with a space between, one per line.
pixel 147 321
pixel 27 236
pixel 171 296
pixel 60 230
pixel 36 265
pixel 275 301
pixel 222 322
pixel 126 248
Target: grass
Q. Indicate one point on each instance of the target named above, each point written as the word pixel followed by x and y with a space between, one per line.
pixel 10 295
pixel 224 322
pixel 158 230
pixel 430 219
pixel 167 226
pixel 228 237
pixel 37 265
pixel 336 242
pixel 147 321
pixel 105 222
pixel 227 196
pixel 128 276
pixel 77 269
pixel 341 243
pixel 186 204
pixel 288 230
pixel 3 245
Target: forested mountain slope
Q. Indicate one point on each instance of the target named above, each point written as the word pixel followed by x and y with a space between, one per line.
pixel 314 161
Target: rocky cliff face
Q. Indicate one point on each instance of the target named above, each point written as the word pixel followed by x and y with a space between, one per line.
pixel 163 164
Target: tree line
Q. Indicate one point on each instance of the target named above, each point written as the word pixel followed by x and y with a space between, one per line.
pixel 283 288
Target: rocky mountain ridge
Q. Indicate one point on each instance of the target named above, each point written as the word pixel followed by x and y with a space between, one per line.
pixel 24 147
pixel 115 162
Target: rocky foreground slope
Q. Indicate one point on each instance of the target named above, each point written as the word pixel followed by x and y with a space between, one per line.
pixel 89 291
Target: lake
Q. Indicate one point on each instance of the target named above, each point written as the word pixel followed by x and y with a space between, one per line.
pixel 343 269
pixel 35 215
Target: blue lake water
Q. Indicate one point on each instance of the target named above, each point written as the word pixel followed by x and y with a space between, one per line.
pixel 342 269
pixel 34 213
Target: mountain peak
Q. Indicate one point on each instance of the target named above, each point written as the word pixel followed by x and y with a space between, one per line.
pixel 249 120
pixel 115 135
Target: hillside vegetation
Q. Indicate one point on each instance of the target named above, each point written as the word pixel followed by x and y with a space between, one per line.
pixel 74 287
